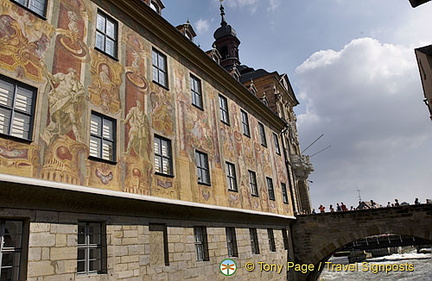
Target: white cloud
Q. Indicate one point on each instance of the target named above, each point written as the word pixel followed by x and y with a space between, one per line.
pixel 367 99
pixel 273 5
pixel 202 26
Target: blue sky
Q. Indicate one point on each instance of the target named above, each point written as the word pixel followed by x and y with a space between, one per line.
pixel 353 69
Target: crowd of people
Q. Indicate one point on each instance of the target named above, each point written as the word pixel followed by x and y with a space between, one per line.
pixel 362 205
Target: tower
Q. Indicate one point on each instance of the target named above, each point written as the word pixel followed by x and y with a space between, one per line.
pixel 227 43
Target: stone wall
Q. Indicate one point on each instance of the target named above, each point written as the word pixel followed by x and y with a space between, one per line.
pixel 135 250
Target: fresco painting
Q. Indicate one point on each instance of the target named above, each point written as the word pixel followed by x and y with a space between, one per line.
pixel 76 79
pixel 24 39
pixel 106 80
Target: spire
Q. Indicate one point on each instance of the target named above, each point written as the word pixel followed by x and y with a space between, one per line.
pixel 222 10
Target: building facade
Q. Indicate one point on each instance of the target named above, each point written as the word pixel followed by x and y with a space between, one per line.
pixel 128 153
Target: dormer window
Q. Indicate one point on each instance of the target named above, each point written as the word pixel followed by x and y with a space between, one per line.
pixel 154 6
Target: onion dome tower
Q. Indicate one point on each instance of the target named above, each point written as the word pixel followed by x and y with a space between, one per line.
pixel 227 43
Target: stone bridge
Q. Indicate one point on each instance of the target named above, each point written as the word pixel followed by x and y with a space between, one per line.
pixel 317 237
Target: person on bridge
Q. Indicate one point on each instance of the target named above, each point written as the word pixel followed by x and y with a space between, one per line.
pixel 344 207
pixel 338 208
pixel 416 202
pixel 321 208
pixel 331 208
pixel 396 203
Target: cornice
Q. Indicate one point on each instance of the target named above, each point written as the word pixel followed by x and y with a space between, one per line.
pixel 168 34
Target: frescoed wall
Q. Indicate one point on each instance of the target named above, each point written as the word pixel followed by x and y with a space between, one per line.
pixel 73 79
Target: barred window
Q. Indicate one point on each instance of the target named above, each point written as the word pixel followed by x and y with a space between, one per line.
pixel 272 242
pixel 17 104
pixel 11 245
pixel 91 248
pixel 231 242
pixel 201 244
pixel 254 241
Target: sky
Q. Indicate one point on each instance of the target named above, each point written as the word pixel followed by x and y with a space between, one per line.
pixel 353 69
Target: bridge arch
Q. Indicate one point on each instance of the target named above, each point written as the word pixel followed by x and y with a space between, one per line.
pixel 317 237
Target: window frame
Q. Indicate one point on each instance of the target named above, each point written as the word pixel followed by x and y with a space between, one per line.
pixel 254 241
pixel 28 8
pixel 261 132
pixel 231 239
pixel 18 263
pixel 159 154
pixel 196 92
pixel 245 123
pixel 101 247
pixel 271 238
pixel 276 143
pixel 270 189
pixel 253 183
pixel 111 20
pixel 202 169
pixel 284 193
pixel 231 177
pixel 13 110
pixel 223 108
pixel 102 139
pixel 159 68
pixel 201 243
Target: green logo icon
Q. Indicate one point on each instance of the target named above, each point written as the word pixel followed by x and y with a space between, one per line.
pixel 228 267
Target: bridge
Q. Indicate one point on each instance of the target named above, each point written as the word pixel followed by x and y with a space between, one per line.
pixel 317 237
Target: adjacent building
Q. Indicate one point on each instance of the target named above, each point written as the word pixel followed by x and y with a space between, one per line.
pixel 128 153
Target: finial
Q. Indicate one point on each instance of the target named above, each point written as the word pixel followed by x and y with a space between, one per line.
pixel 222 10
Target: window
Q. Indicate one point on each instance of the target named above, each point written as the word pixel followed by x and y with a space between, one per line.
pixel 254 241
pixel 102 137
pixel 17 103
pixel 276 143
pixel 159 62
pixel 201 245
pixel 36 6
pixel 106 34
pixel 245 123
pixel 270 189
pixel 272 242
pixel 231 242
pixel 261 130
pixel 91 248
pixel 285 239
pixel 163 156
pixel 231 176
pixel 284 193
pixel 253 183
pixel 11 244
pixel 154 6
pixel 197 99
pixel 203 171
pixel 223 105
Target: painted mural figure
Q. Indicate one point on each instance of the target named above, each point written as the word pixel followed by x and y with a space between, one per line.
pixel 138 122
pixel 64 100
